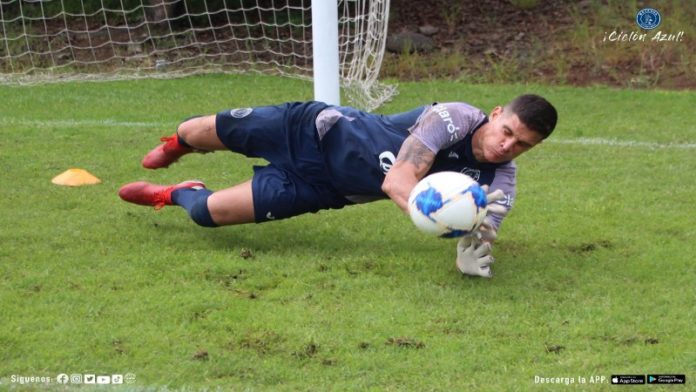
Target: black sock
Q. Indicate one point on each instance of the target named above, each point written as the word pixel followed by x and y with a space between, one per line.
pixel 195 201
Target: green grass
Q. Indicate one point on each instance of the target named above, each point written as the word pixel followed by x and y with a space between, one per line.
pixel 594 270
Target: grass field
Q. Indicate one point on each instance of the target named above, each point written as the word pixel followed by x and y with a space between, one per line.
pixel 594 273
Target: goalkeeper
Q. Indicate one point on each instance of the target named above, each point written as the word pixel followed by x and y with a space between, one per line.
pixel 324 157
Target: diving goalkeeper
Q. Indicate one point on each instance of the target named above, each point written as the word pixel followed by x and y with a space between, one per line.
pixel 324 157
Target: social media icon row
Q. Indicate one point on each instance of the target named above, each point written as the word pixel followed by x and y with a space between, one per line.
pixel 95 378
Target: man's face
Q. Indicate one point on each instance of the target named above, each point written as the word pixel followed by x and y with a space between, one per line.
pixel 503 138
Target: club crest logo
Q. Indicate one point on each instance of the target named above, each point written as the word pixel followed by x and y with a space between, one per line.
pixel 386 161
pixel 241 112
pixel 473 173
pixel 648 18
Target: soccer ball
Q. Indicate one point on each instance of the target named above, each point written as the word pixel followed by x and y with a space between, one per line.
pixel 447 204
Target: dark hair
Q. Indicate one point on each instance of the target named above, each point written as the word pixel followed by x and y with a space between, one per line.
pixel 535 112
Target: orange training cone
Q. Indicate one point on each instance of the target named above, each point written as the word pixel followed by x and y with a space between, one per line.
pixel 75 177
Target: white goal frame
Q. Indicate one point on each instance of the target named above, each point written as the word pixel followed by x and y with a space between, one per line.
pixel 338 44
pixel 325 52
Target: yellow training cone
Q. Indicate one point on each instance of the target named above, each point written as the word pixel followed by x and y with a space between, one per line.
pixel 75 177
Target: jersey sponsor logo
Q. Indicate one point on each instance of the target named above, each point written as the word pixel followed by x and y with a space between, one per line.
pixel 386 161
pixel 241 112
pixel 507 201
pixel 473 173
pixel 444 114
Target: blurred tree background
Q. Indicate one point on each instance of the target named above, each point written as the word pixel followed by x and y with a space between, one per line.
pixel 544 41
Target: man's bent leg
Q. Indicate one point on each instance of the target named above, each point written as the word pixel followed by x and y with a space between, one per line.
pixel 210 209
pixel 200 134
pixel 271 195
pixel 196 134
pixel 233 205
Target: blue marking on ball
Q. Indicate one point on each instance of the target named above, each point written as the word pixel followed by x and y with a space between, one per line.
pixel 478 194
pixel 428 201
pixel 455 234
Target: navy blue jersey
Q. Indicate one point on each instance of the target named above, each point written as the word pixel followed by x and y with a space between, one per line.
pixel 327 157
pixel 359 148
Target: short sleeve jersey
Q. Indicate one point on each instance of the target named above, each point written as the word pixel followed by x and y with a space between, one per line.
pixel 359 148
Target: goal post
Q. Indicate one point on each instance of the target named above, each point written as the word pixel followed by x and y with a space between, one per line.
pixel 325 52
pixel 337 43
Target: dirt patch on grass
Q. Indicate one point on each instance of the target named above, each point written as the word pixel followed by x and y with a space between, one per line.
pixel 554 348
pixel 224 278
pixel 201 355
pixel 263 342
pixel 589 247
pixel 629 340
pixel 405 342
pixel 309 350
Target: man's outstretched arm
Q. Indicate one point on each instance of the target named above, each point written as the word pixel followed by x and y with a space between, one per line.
pixel 412 163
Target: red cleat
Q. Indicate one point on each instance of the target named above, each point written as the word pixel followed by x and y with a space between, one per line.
pixel 165 154
pixel 147 194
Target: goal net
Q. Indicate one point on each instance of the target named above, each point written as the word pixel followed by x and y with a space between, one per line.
pixel 59 40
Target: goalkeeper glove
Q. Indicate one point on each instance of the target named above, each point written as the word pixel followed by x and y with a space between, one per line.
pixel 474 257
pixel 486 232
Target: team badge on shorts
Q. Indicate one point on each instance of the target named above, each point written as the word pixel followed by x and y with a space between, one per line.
pixel 241 112
pixel 648 18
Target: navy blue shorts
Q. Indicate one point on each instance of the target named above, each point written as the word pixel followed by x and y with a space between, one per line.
pixel 296 180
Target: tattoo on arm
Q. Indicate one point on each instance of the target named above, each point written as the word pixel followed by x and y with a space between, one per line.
pixel 416 153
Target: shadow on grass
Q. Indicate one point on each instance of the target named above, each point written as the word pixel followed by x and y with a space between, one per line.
pixel 296 235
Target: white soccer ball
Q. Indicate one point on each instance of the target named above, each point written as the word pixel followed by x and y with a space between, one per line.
pixel 447 204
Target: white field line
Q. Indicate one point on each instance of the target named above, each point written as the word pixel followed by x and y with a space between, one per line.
pixel 109 123
pixel 9 122
pixel 590 141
